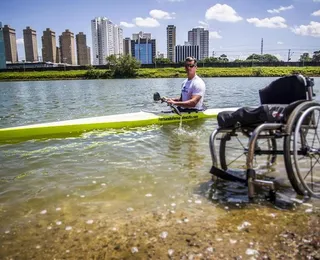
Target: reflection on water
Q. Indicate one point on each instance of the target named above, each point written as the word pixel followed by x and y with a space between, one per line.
pixel 75 183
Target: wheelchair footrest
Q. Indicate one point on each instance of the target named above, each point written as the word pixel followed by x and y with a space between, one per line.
pixel 226 175
pixel 262 183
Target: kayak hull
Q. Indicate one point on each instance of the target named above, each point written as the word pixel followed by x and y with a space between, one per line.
pixel 72 127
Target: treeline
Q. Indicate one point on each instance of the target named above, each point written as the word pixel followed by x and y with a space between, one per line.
pixel 230 64
pixel 253 58
pixel 129 67
pixel 161 73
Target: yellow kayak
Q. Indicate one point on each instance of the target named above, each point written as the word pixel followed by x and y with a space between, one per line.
pixel 74 126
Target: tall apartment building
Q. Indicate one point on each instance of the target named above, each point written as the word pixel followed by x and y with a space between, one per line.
pixel 141 35
pixel 144 50
pixel 30 44
pixel 187 50
pixel 107 39
pixel 89 55
pixel 127 46
pixel 200 37
pixel 118 39
pixel 2 50
pixel 67 48
pixel 82 49
pixel 171 42
pixel 10 44
pixel 49 46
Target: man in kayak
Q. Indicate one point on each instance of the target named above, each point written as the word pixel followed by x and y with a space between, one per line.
pixel 192 89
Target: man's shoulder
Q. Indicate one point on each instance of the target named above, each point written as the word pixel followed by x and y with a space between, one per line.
pixel 185 80
pixel 198 80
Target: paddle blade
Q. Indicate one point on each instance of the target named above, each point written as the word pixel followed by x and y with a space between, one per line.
pixel 156 96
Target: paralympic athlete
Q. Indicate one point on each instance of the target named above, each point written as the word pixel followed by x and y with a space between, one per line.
pixel 192 89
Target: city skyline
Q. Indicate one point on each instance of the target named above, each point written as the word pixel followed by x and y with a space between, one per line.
pixel 235 27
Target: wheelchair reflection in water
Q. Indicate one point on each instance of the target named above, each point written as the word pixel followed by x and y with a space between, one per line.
pixel 287 112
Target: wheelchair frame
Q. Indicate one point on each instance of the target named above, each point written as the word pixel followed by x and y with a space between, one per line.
pixel 296 144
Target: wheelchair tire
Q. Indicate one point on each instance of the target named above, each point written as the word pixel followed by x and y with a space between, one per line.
pixel 291 140
pixel 301 149
pixel 233 152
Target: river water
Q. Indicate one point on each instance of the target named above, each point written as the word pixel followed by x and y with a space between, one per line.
pixel 67 184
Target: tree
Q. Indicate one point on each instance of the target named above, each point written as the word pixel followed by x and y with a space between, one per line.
pixel 254 57
pixel 316 56
pixel 123 67
pixel 209 60
pixel 269 58
pixel 262 58
pixel 305 57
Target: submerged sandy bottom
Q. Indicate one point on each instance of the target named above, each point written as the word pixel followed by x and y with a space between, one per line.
pixel 142 195
pixel 190 230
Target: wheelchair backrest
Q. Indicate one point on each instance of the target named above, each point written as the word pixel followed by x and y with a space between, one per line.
pixel 286 90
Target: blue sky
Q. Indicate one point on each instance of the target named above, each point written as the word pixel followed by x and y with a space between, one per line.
pixel 236 26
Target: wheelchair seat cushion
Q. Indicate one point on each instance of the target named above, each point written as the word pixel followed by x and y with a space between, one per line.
pixel 247 116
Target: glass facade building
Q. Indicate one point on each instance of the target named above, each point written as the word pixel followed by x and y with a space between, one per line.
pixel 144 50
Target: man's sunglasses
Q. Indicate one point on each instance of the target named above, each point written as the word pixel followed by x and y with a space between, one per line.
pixel 189 65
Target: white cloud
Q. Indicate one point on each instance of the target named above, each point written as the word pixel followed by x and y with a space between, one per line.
pixel 146 22
pixel 280 43
pixel 204 24
pixel 159 14
pixel 312 29
pixel 316 13
pixel 222 13
pixel 127 25
pixel 316 0
pixel 273 22
pixel 281 8
pixel 20 41
pixel 214 35
pixel 175 0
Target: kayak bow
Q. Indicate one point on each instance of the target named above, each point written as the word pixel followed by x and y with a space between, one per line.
pixel 74 126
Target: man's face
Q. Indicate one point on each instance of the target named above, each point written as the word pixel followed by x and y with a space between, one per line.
pixel 190 67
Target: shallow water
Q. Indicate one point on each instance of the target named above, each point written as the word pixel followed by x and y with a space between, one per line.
pixel 114 175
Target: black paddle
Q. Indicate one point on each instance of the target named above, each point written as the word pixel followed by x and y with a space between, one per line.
pixel 157 97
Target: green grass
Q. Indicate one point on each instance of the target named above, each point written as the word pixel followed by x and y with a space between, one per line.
pixel 165 73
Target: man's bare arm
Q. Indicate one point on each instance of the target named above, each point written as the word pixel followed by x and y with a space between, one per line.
pixel 188 103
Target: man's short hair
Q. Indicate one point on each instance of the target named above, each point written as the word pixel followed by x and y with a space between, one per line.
pixel 192 59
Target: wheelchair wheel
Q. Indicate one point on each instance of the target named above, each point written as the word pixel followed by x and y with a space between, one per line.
pixel 234 149
pixel 302 149
pixel 303 162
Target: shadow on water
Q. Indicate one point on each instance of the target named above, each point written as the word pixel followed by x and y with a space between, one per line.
pixel 188 140
pixel 234 195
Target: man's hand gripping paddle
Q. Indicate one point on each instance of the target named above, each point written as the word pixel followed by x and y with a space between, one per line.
pixel 157 97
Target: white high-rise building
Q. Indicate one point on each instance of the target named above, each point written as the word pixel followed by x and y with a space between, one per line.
pixel 200 37
pixel 182 52
pixel 107 39
pixel 118 39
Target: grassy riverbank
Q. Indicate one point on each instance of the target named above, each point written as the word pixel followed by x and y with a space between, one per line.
pixel 162 73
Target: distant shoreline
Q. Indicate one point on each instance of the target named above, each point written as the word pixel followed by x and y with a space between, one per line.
pixel 161 73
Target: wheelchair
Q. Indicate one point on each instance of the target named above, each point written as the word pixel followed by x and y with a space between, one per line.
pixel 249 139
